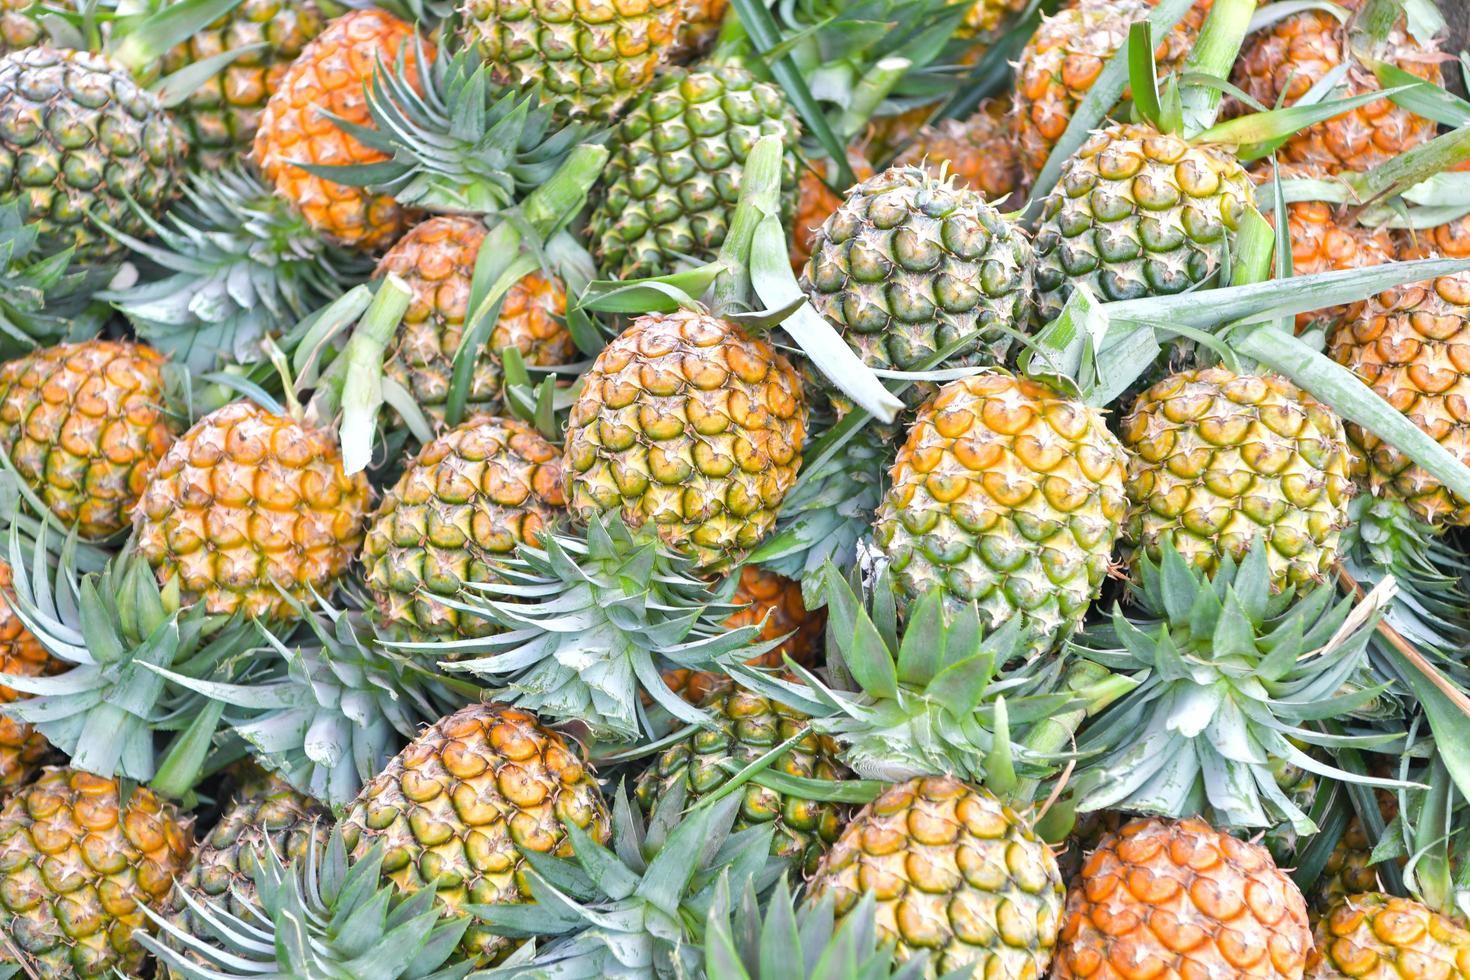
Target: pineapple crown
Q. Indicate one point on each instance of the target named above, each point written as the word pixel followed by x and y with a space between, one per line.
pixel 589 620
pixel 636 908
pixel 801 945
pixel 938 699
pixel 328 711
pixel 43 298
pixel 1430 832
pixel 465 145
pixel 1230 678
pixel 232 263
pixel 121 634
pixel 320 915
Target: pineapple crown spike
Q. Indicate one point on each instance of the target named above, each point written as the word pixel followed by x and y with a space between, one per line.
pixel 323 913
pixel 458 143
pixel 1229 676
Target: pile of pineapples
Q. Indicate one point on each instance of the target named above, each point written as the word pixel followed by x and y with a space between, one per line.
pixel 734 489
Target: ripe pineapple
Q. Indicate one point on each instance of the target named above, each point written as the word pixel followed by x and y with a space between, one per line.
pixel 331 74
pixel 1066 55
pixel 437 261
pixel 1406 344
pixel 220 117
pixel 980 151
pixel 22 748
pixel 815 202
pixel 1374 936
pixel 1281 62
pixel 1178 898
pixel 248 504
pixel 699 24
pixel 1321 242
pixel 1009 496
pixel 266 813
pixel 909 263
pixel 744 727
pixel 84 425
pixel 19 26
pixel 955 873
pixel 673 180
pixel 688 424
pixel 465 502
pixel 78 138
pixel 1138 213
pixel 453 807
pixel 76 863
pixel 589 59
pixel 1218 460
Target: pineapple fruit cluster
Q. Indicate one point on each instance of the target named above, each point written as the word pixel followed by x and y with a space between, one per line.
pixel 687 488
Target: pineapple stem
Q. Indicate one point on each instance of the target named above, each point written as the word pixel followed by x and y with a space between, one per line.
pixel 1097 687
pixel 1213 56
pixel 760 191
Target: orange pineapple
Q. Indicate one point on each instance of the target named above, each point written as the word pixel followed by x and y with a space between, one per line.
pixel 979 150
pixel 22 748
pixel 331 75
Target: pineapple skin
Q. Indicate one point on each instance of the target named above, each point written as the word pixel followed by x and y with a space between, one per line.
pixel 745 727
pixel 980 151
pixel 457 802
pixel 77 137
pixel 331 74
pixel 1009 496
pixel 908 264
pixel 436 259
pixel 815 202
pixel 591 60
pixel 1218 459
pixel 689 425
pixel 1405 345
pixel 1178 898
pixel 955 872
pixel 1138 213
pixel 85 425
pixel 1373 936
pixel 468 499
pixel 76 862
pixel 673 179
pixel 247 502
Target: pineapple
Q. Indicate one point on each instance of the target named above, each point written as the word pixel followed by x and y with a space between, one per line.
pixel 980 151
pixel 1374 936
pixel 909 264
pixel 266 815
pixel 1322 242
pixel 452 810
pixel 1405 343
pixel 331 75
pixel 437 261
pixel 220 117
pixel 1218 461
pixel 22 748
pixel 1281 62
pixel 317 915
pixel 249 510
pixel 815 202
pixel 1136 213
pixel 1066 55
pixel 672 183
pixel 687 424
pixel 1009 496
pixel 78 139
pixel 77 866
pixel 1178 898
pixel 700 23
pixel 745 726
pixel 84 425
pixel 955 873
pixel 589 60
pixel 19 25
pixel 465 503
